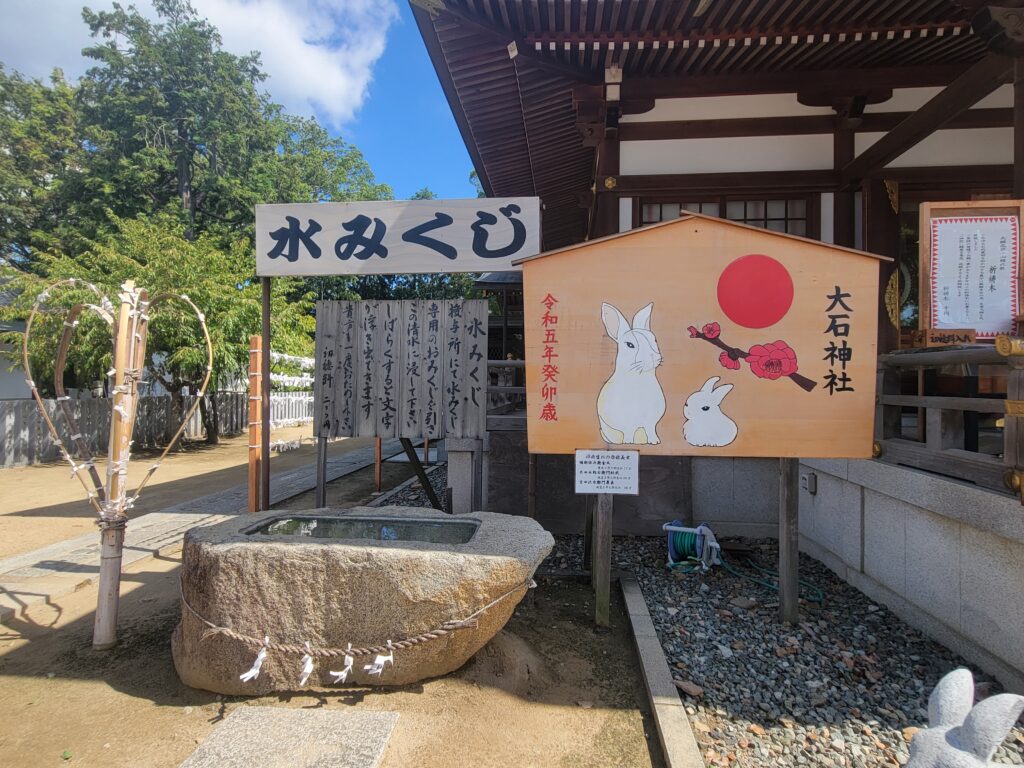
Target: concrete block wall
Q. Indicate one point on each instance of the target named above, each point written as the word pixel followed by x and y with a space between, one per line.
pixel 945 556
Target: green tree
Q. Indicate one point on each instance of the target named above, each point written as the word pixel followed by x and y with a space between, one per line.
pixel 474 179
pixel 171 116
pixel 40 153
pixel 156 253
pixel 423 194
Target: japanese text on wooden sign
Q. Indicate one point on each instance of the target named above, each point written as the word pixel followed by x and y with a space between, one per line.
pixel 608 472
pixel 758 345
pixel 396 236
pixel 400 369
pixel 974 273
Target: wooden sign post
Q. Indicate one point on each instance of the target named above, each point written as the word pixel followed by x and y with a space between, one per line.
pixel 703 337
pixel 604 473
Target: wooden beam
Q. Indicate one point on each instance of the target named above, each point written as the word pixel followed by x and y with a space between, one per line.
pixel 601 569
pixel 798 125
pixel 747 83
pixel 421 473
pixel 959 96
pixel 804 181
pixel 1018 129
pixel 523 49
pixel 768 36
pixel 843 202
pixel 433 45
pixel 789 540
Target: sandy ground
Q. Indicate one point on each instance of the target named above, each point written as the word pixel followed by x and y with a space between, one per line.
pixel 548 691
pixel 41 505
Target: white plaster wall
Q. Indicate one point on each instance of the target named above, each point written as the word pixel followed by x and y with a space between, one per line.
pixel 786 105
pixel 625 214
pixel 966 146
pixel 978 146
pixel 743 154
pixel 828 211
pixel 715 107
pixel 909 99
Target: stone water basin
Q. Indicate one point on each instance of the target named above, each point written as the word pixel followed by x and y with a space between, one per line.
pixel 363 576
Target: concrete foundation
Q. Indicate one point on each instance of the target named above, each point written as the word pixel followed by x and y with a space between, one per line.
pixel 945 556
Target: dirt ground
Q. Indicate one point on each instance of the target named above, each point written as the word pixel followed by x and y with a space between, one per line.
pixel 548 691
pixel 42 505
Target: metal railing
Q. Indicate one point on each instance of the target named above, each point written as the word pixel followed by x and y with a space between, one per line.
pixel 970 434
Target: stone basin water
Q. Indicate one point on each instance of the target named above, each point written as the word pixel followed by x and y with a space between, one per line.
pixel 436 531
pixel 361 576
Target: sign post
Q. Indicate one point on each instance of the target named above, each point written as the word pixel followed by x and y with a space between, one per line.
pixel 605 473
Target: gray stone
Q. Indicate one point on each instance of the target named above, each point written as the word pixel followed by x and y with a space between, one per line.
pixel 332 592
pixel 933 564
pixel 885 541
pixel 274 737
pixel 960 735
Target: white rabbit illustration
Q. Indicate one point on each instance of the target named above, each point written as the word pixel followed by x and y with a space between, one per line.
pixel 631 402
pixel 958 735
pixel 706 426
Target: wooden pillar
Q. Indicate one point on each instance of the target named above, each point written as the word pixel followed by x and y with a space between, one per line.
pixel 378 461
pixel 844 229
pixel 255 398
pixel 789 540
pixel 881 236
pixel 602 559
pixel 531 487
pixel 605 210
pixel 321 472
pixel 1018 127
pixel 265 399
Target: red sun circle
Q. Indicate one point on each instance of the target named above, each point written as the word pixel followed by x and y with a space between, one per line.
pixel 755 291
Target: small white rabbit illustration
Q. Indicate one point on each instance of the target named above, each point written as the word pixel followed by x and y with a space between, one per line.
pixel 706 426
pixel 631 402
pixel 958 735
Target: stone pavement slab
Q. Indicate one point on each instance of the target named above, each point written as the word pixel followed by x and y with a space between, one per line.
pixel 274 737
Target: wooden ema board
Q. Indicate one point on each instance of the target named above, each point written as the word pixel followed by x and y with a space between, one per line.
pixel 401 369
pixel 973 275
pixel 782 306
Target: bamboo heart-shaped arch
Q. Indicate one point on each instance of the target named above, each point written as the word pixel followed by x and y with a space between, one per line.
pixel 129 329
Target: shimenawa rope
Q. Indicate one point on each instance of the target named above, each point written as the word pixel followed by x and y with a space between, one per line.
pixel 302 649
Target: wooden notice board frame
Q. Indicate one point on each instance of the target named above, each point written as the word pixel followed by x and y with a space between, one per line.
pixel 953 209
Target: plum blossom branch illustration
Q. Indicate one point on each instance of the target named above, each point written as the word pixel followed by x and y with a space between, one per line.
pixel 767 361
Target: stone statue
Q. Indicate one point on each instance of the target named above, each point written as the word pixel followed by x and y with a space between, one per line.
pixel 961 735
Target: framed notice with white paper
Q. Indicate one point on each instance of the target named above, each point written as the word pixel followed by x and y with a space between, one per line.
pixel 615 472
pixel 970 265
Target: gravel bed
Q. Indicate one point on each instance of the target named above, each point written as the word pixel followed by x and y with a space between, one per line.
pixel 847 687
pixel 413 495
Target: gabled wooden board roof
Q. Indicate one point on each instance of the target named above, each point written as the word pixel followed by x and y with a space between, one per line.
pixel 516 115
pixel 703 217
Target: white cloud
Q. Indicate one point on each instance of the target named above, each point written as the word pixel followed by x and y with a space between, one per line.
pixel 318 54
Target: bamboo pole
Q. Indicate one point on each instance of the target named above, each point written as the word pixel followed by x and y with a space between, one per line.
pixel 129 358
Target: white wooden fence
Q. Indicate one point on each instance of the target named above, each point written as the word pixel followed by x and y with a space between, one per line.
pixel 290 408
pixel 25 440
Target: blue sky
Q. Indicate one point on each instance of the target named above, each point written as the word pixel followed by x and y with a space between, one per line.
pixel 359 66
pixel 405 127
